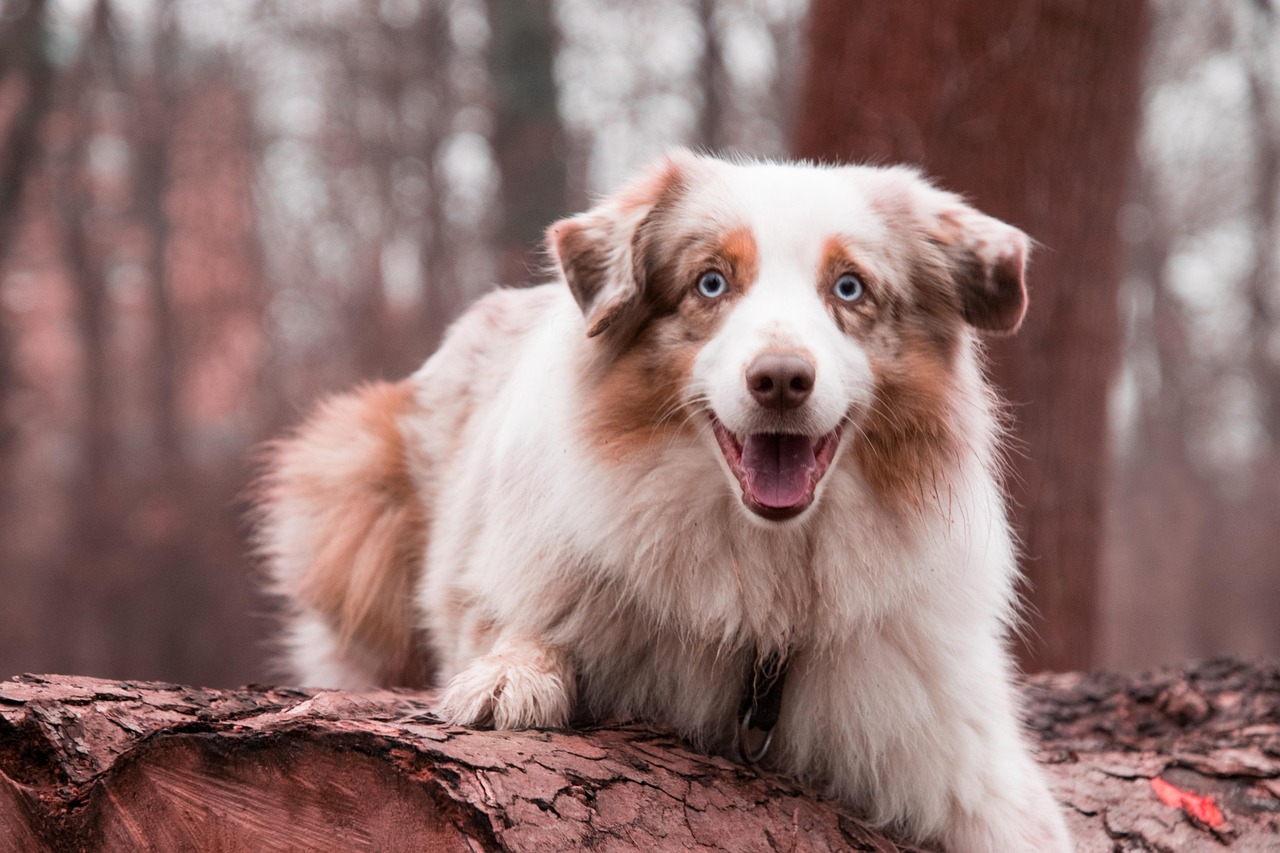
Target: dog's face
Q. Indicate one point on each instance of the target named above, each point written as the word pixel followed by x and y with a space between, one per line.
pixel 786 313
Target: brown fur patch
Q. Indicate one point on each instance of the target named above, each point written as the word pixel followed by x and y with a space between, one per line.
pixel 637 402
pixel 599 250
pixel 589 269
pixel 344 479
pixel 837 260
pixel 911 335
pixel 674 260
pixel 739 254
pixel 927 308
pixel 663 185
pixel 907 442
pixel 988 259
pixel 637 394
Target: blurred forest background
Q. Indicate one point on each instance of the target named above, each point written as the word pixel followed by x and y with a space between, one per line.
pixel 214 211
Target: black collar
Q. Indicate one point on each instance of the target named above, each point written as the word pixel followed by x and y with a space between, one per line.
pixel 761 704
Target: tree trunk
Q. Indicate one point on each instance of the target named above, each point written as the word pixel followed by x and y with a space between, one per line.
pixel 155 105
pixel 711 81
pixel 1030 109
pixel 1175 760
pixel 25 54
pixel 440 293
pixel 528 138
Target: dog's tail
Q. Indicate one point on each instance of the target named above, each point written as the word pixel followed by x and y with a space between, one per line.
pixel 342 531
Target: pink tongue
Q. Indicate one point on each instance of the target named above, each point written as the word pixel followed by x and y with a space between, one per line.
pixel 778 468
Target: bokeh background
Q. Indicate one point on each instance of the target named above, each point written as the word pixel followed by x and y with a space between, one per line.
pixel 214 211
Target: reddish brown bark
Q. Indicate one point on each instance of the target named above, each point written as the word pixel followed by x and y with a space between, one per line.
pixel 1029 108
pixel 103 765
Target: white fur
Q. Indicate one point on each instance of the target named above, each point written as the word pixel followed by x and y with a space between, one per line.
pixel 640 587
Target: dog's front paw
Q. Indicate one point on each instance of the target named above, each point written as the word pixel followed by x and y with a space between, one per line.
pixel 1025 818
pixel 524 686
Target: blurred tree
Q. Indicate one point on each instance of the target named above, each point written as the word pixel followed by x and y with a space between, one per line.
pixel 23 60
pixel 1196 491
pixel 155 94
pixel 1264 107
pixel 528 138
pixel 440 301
pixel 80 188
pixel 711 80
pixel 86 180
pixel 1031 109
pixel 24 64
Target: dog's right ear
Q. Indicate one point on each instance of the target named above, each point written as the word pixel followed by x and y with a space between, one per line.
pixel 597 250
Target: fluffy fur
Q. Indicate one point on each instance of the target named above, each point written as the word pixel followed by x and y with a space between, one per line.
pixel 564 512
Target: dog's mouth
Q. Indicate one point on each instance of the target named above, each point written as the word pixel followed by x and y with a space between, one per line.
pixel 778 472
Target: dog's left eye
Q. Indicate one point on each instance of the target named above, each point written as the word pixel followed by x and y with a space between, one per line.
pixel 712 285
pixel 849 288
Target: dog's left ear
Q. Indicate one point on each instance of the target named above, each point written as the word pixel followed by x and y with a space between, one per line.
pixel 599 250
pixel 988 258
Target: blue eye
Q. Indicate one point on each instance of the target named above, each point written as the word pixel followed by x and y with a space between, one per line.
pixel 849 288
pixel 712 285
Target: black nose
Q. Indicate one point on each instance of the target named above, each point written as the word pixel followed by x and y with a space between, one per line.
pixel 780 380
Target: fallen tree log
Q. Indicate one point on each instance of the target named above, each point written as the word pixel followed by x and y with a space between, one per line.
pixel 1178 760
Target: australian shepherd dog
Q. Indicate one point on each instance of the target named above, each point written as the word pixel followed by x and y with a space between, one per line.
pixel 735 471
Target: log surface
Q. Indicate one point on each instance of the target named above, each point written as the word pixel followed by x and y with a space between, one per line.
pixel 1175 760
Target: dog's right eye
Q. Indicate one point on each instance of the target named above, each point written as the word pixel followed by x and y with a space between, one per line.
pixel 849 288
pixel 712 285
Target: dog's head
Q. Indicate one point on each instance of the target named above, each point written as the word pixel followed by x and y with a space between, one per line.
pixel 786 311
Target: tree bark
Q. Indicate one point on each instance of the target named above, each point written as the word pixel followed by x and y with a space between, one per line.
pixel 1031 110
pixel 1173 760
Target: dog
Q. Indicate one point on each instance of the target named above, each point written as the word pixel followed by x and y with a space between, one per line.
pixel 735 471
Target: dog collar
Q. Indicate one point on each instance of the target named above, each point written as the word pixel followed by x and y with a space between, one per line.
pixel 761 705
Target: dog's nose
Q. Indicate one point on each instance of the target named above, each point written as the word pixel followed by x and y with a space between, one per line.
pixel 780 380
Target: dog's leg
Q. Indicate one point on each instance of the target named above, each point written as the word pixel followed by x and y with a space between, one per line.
pixel 1020 816
pixel 999 797
pixel 927 737
pixel 521 683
